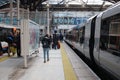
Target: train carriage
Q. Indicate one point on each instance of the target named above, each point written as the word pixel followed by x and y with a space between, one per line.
pixel 101 40
pixel 108 40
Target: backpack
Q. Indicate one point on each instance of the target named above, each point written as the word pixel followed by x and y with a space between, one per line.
pixel 45 43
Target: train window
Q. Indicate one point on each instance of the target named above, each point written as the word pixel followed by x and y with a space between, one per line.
pixel 110 33
pixel 104 34
pixel 75 35
pixel 114 35
pixel 69 36
pixel 81 35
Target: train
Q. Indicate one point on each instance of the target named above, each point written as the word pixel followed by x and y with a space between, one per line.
pixel 99 39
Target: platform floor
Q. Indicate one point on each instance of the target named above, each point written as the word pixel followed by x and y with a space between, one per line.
pixel 63 65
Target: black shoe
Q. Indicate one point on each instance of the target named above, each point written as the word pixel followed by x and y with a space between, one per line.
pixel 44 61
pixel 47 59
pixel 19 56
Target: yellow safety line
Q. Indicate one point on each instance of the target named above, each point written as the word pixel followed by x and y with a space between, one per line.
pixel 4 58
pixel 68 70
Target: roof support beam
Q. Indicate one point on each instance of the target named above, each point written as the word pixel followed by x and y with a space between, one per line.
pixel 39 3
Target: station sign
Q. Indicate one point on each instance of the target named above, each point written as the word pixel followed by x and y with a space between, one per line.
pixel 69 20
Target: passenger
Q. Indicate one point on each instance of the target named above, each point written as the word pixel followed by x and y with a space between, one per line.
pixel 1 49
pixel 51 40
pixel 46 45
pixel 14 44
pixel 55 41
pixel 10 42
pixel 18 42
pixel 61 37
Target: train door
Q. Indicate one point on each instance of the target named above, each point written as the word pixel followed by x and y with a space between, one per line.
pixel 97 38
pixel 91 40
pixel 86 41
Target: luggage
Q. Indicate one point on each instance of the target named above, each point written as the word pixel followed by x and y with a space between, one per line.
pixel 58 45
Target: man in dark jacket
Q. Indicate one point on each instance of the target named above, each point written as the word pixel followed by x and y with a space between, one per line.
pixel 18 42
pixel 46 45
pixel 55 40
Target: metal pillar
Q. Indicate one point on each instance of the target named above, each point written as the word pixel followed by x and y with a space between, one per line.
pixel 22 13
pixel 25 52
pixel 28 13
pixel 48 30
pixel 18 13
pixel 36 16
pixel 11 12
pixel 18 24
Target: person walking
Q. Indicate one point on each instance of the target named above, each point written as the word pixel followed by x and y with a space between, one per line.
pixel 46 46
pixel 51 42
pixel 55 41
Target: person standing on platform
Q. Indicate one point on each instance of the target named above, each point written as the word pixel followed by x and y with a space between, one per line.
pixel 18 45
pixel 46 46
pixel 1 49
pixel 10 39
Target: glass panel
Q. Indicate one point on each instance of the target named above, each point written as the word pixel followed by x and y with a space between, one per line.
pixel 2 2
pixel 82 34
pixel 114 28
pixel 110 34
pixel 114 35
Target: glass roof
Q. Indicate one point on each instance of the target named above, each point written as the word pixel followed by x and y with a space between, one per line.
pixel 79 2
pixel 3 2
pixel 69 2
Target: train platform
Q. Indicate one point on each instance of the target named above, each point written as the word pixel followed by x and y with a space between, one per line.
pixel 64 64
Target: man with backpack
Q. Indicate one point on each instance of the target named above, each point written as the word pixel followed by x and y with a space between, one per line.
pixel 46 46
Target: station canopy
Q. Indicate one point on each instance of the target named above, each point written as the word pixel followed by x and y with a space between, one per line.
pixel 34 4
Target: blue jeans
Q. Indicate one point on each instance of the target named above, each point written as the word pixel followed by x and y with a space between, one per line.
pixel 46 53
